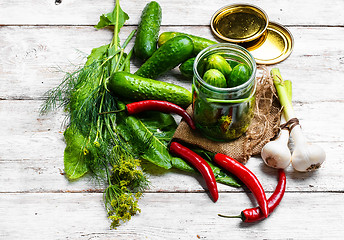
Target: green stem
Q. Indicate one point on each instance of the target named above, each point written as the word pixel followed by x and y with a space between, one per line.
pixel 288 86
pixel 118 61
pixel 110 57
pixel 131 35
pixel 126 61
pixel 282 93
pixel 116 111
pixel 116 31
pixel 108 175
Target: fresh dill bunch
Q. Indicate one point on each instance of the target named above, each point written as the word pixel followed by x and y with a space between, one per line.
pixel 126 184
pixel 92 142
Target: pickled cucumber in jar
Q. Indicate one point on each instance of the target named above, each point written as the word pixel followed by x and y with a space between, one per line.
pixel 215 78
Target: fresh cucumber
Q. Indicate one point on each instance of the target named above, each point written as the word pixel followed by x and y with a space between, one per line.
pixel 199 42
pixel 134 87
pixel 148 31
pixel 215 78
pixel 186 68
pixel 171 54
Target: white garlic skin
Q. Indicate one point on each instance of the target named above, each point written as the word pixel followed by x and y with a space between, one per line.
pixel 306 156
pixel 276 153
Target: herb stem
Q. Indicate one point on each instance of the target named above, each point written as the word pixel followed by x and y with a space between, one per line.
pixel 126 60
pixel 111 56
pixel 116 31
pixel 128 39
pixel 119 60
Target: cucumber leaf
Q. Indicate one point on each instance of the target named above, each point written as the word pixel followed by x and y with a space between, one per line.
pixel 115 18
pixel 75 164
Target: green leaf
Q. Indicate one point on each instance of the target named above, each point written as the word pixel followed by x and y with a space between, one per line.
pixel 115 18
pixel 221 176
pixel 224 177
pixel 97 54
pixel 75 165
pixel 148 135
pixel 182 165
pixel 144 135
pixel 162 125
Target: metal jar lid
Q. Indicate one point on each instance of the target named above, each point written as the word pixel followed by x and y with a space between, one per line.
pixel 249 26
pixel 239 23
pixel 274 46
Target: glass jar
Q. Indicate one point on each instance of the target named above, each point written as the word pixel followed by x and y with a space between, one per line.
pixel 223 114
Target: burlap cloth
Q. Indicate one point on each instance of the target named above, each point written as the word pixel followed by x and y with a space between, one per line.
pixel 264 125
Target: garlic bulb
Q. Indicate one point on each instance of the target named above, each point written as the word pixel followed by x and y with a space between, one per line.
pixel 306 157
pixel 276 153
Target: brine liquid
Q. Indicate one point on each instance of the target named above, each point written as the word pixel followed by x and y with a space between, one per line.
pixel 239 25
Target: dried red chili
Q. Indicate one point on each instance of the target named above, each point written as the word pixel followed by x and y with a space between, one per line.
pixel 200 164
pixel 255 214
pixel 157 105
pixel 246 176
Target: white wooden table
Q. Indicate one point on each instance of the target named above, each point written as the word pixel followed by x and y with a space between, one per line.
pixel 38 39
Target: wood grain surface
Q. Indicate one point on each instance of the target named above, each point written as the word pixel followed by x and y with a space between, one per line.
pixel 41 40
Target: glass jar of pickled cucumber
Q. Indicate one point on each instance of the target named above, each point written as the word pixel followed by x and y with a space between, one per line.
pixel 224 113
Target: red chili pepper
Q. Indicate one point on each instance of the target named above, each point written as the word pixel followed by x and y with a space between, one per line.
pixel 200 164
pixel 157 105
pixel 255 214
pixel 246 176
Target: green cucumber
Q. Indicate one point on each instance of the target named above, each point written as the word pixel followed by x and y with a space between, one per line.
pixel 215 78
pixel 199 42
pixel 186 68
pixel 239 75
pixel 148 31
pixel 138 88
pixel 171 54
pixel 216 61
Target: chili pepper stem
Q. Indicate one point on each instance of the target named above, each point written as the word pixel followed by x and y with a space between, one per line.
pixel 226 216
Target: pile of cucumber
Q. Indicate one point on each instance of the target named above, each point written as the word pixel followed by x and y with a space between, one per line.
pixel 160 54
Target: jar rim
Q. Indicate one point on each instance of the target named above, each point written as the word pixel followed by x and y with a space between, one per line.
pixel 225 90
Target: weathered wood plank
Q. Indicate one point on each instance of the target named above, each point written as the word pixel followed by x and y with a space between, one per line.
pixel 178 12
pixel 31 154
pixel 46 175
pixel 319 120
pixel 169 216
pixel 34 59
